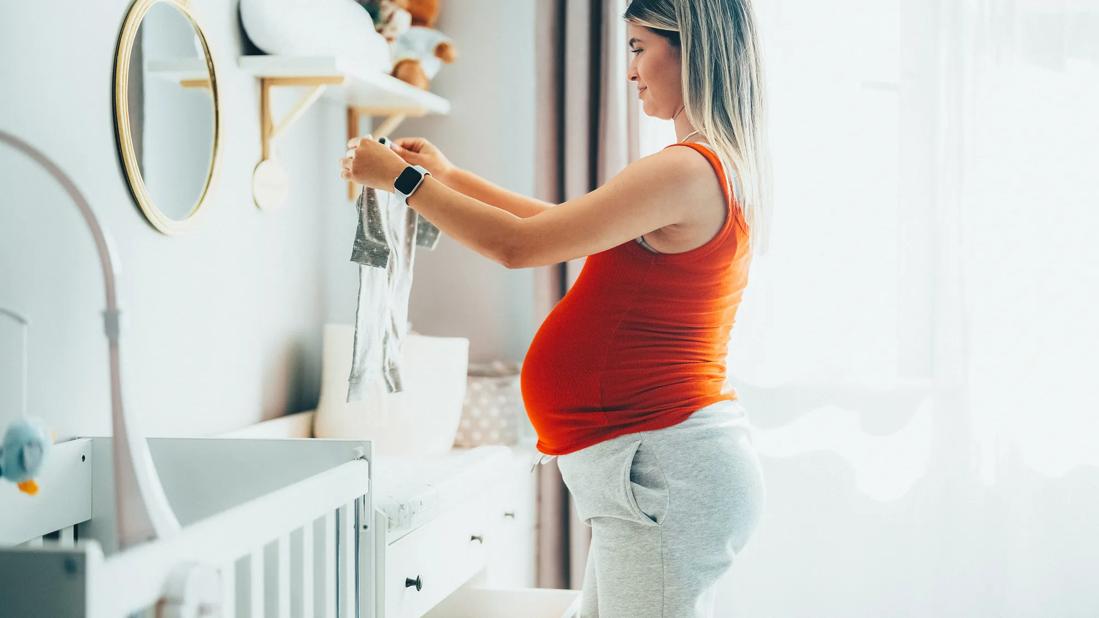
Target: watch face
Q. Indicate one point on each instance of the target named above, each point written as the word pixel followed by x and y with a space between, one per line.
pixel 407 181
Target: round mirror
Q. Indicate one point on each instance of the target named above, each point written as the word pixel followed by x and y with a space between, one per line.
pixel 166 111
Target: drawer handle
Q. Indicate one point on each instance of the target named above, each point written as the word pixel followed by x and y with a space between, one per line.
pixel 510 514
pixel 476 537
pixel 408 583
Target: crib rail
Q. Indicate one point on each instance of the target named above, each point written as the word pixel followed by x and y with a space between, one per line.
pixel 64 501
pixel 298 550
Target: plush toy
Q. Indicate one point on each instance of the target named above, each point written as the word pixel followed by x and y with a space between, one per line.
pixel 391 18
pixel 420 51
pixel 22 452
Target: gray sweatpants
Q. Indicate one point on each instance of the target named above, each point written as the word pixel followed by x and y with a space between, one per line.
pixel 668 509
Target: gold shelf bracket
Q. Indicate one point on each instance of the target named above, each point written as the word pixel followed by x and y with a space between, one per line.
pixel 269 130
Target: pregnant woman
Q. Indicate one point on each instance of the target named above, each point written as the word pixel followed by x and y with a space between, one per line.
pixel 625 380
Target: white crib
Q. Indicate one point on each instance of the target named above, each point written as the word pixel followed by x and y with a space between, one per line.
pixel 270 527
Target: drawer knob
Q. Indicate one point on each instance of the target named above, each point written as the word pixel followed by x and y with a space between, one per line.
pixel 510 514
pixel 408 583
pixel 476 537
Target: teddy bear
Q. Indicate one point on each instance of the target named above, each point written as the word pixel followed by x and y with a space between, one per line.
pixel 420 51
pixel 391 17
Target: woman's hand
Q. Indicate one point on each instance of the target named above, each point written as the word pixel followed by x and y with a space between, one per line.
pixel 419 151
pixel 371 164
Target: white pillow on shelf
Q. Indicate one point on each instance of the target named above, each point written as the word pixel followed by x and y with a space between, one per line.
pixel 316 28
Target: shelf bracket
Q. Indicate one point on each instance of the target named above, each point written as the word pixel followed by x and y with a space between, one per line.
pixel 394 116
pixel 195 83
pixel 269 130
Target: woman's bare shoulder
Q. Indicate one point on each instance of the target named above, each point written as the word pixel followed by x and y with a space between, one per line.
pixel 682 168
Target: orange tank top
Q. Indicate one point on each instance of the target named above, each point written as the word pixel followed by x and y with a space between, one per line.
pixel 639 341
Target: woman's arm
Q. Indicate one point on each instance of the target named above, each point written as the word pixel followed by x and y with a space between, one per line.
pixel 419 151
pixel 650 194
pixel 654 192
pixel 472 185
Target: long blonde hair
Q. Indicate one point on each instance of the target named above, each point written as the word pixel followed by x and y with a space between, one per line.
pixel 723 87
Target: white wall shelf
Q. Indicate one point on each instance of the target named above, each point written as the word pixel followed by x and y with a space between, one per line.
pixel 361 89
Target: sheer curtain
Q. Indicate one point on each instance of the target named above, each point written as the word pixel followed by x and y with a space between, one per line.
pixel 918 347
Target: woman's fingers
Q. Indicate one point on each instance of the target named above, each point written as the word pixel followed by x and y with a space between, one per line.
pixel 354 141
pixel 412 144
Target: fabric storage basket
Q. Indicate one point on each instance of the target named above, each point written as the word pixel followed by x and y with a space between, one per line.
pixel 493 411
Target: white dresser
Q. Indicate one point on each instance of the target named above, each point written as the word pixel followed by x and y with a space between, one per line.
pixel 466 517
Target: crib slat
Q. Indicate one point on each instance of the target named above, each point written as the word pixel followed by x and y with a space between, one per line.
pixel 308 565
pixel 297 609
pixel 228 574
pixel 326 567
pixel 364 555
pixel 255 588
pixel 346 568
pixel 67 537
pixel 283 591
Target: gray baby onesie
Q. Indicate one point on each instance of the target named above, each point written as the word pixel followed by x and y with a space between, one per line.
pixel 385 249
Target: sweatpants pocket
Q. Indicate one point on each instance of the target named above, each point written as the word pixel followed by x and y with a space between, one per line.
pixel 615 479
pixel 647 487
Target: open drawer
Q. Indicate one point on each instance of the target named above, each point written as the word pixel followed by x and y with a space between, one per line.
pixel 477 602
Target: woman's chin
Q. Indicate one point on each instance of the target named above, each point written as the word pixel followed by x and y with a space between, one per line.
pixel 651 113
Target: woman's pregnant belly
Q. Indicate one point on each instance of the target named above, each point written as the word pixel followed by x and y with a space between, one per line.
pixel 561 372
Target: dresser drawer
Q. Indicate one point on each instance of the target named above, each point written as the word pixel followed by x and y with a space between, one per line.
pixel 478 602
pixel 512 501
pixel 511 544
pixel 511 560
pixel 441 555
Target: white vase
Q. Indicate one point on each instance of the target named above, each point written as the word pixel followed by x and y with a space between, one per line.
pixel 420 420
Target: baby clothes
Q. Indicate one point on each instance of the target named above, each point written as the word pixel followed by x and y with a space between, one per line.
pixel 385 249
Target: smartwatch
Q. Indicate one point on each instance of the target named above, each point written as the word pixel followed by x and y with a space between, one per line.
pixel 410 180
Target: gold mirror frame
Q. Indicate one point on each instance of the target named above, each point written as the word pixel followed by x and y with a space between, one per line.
pixel 126 39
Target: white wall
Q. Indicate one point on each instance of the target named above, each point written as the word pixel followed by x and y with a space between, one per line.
pixel 222 324
pixel 491 132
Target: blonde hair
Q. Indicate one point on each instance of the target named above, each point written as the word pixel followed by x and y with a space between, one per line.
pixel 723 87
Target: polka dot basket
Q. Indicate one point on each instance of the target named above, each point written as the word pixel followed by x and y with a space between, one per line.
pixel 493 411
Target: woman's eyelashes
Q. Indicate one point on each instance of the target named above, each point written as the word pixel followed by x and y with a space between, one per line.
pixel 635 50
